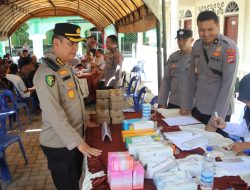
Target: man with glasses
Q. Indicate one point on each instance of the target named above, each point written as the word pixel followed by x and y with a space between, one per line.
pixel 63 111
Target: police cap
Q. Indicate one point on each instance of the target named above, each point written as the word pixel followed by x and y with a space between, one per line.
pixel 69 31
pixel 184 33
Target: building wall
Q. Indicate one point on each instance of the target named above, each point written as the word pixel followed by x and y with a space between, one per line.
pixel 243 26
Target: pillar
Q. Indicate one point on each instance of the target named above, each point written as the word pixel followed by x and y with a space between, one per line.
pixel 37 40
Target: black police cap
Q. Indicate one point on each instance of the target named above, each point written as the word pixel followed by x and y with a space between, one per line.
pixel 184 33
pixel 69 31
pixel 244 88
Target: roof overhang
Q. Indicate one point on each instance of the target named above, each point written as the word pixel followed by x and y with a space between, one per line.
pixel 126 15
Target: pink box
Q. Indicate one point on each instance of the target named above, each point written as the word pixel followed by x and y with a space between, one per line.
pixel 120 180
pixel 120 161
pixel 138 176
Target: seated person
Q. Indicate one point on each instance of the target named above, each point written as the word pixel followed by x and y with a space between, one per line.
pixel 239 129
pixel 12 75
pixel 27 69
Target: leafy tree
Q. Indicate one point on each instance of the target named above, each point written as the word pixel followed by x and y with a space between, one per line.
pixel 21 36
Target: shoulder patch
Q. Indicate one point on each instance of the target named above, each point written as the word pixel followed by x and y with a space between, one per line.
pixel 231 52
pixel 50 80
pixel 59 61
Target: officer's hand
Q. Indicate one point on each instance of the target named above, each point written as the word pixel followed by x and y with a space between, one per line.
pixel 218 122
pixel 87 150
pixel 185 112
pixel 210 128
pixel 239 147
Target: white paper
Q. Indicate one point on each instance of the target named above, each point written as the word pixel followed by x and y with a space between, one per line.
pixel 234 168
pixel 177 134
pixel 190 142
pixel 184 120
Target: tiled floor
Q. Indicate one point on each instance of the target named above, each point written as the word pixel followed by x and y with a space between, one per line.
pixel 34 175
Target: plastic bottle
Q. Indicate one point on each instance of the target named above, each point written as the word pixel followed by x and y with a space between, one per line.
pixel 207 172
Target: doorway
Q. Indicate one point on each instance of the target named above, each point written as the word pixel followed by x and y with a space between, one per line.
pixel 231 27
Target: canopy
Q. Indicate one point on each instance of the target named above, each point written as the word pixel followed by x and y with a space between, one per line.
pixel 101 13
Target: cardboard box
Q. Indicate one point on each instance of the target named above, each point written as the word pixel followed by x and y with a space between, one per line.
pixel 117 105
pixel 102 104
pixel 102 113
pixel 115 92
pixel 117 120
pixel 102 94
pixel 116 113
pixel 100 120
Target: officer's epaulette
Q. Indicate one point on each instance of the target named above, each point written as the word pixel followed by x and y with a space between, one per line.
pixel 51 63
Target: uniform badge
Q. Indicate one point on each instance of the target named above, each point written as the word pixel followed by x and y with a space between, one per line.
pixel 63 72
pixel 216 53
pixel 71 94
pixel 71 84
pixel 78 30
pixel 231 55
pixel 216 41
pixel 58 60
pixel 218 48
pixel 50 80
pixel 230 59
pixel 231 52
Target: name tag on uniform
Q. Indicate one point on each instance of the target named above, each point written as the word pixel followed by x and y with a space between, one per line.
pixel 66 77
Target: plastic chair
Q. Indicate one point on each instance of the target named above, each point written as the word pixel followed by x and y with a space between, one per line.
pixel 6 112
pixel 154 100
pixel 4 169
pixel 132 87
pixel 25 100
pixel 5 141
pixel 135 72
pixel 139 100
pixel 124 81
pixel 17 106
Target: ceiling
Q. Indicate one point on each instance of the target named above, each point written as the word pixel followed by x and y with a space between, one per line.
pixel 99 12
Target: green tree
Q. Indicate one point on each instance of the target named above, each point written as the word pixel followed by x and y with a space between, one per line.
pixel 21 36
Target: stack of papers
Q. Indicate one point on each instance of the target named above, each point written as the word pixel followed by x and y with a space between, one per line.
pixel 235 167
pixel 186 140
pixel 184 120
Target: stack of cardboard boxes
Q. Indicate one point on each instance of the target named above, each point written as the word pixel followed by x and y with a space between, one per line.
pixel 109 106
pixel 117 104
pixel 102 106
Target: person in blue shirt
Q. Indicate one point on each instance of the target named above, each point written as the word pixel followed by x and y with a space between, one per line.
pixel 239 129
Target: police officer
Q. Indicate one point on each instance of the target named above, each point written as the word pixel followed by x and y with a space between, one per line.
pixel 172 84
pixel 113 63
pixel 212 73
pixel 63 111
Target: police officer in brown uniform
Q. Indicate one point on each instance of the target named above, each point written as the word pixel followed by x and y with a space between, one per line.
pixel 63 111
pixel 172 83
pixel 113 63
pixel 212 73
